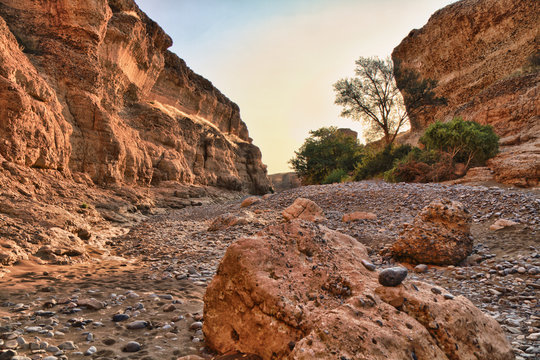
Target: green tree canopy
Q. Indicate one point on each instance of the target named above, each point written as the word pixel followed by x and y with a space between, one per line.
pixel 325 150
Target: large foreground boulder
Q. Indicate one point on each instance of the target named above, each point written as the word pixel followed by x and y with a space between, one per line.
pixel 299 291
pixel 439 235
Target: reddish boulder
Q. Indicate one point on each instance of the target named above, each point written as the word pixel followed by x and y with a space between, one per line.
pixel 359 215
pixel 303 209
pixel 299 291
pixel 439 235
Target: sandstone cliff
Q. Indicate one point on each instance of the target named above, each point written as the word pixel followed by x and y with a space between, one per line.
pixel 482 52
pixel 89 88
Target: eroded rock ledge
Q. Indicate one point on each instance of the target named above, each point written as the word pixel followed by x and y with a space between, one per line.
pixel 90 87
pixel 481 53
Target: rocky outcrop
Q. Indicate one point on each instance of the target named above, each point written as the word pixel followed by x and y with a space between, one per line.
pixel 439 235
pixel 482 53
pixel 299 291
pixel 90 87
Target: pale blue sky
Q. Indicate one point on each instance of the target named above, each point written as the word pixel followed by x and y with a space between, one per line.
pixel 278 59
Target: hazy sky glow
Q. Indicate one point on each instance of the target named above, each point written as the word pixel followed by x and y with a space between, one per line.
pixel 278 59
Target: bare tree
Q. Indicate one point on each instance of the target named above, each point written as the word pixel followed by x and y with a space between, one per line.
pixel 374 98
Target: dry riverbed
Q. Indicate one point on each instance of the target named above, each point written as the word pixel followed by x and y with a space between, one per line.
pixel 147 302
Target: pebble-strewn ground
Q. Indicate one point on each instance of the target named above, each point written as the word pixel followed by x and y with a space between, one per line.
pixel 154 300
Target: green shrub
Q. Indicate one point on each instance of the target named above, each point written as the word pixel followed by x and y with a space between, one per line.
pixel 466 141
pixel 327 149
pixel 376 163
pixel 336 176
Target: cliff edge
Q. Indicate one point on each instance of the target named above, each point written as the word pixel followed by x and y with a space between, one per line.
pixel 89 88
pixel 484 55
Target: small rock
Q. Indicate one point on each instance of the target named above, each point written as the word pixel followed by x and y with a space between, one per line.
pixel 120 317
pixel 8 355
pixel 132 346
pixel 53 349
pixel 197 325
pixel 68 345
pixel 11 345
pixel 421 268
pixel 368 265
pixel 392 276
pixel 135 325
pixel 250 201
pixel 91 304
pixel 358 215
pixel 169 308
pixel 501 224
pixel 91 350
pixel 436 291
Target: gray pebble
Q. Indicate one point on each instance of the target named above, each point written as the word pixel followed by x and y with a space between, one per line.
pixel 392 276
pixel 132 346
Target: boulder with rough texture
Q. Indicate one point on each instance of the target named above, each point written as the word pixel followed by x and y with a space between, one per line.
pixel 439 235
pixel 303 209
pixel 482 52
pixel 90 87
pixel 299 291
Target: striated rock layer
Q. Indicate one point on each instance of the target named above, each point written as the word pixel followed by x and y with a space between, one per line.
pixel 482 52
pixel 90 87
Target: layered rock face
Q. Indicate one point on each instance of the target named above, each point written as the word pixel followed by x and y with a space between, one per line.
pixel 300 291
pixel 481 53
pixel 90 87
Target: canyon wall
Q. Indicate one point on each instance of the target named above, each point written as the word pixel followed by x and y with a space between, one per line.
pixel 89 88
pixel 485 56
